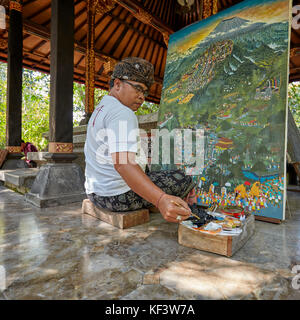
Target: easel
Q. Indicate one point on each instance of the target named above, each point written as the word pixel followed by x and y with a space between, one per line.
pixel 296 166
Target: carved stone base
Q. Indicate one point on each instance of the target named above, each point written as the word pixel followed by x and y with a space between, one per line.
pixel 57 184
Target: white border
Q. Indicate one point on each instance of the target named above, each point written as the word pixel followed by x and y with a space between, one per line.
pixel 287 109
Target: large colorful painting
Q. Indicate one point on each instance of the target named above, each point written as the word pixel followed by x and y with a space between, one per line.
pixel 227 77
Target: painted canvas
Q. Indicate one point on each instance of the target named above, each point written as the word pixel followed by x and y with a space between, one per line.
pixel 226 77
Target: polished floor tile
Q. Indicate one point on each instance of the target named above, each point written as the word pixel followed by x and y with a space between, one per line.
pixel 58 253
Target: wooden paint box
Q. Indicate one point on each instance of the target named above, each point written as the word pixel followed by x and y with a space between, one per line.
pixel 223 245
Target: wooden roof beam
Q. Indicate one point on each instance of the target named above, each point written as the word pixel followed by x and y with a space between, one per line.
pixel 28 2
pixel 116 18
pixel 130 26
pixel 136 8
pixel 140 13
pixel 33 15
pixel 40 44
pixel 42 32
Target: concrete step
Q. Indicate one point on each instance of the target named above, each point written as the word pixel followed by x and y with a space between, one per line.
pixel 79 130
pixel 144 120
pixel 76 131
pixel 78 149
pixel 79 138
pixel 148 118
pixel 20 180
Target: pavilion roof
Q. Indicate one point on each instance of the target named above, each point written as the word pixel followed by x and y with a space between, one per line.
pixel 122 31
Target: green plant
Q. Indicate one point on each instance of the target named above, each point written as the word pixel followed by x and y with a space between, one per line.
pixel 294 101
pixel 36 102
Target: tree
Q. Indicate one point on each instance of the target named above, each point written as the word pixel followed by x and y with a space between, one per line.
pixel 294 101
pixel 35 106
pixel 36 101
pixel 79 102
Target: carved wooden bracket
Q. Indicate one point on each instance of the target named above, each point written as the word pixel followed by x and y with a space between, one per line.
pixel 15 5
pixel 294 52
pixel 2 43
pixel 103 6
pixel 143 16
pixel 209 8
pixel 109 65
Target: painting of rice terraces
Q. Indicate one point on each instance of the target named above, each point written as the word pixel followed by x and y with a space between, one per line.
pixel 227 77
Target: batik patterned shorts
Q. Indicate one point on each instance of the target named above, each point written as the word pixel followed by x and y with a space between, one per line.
pixel 175 183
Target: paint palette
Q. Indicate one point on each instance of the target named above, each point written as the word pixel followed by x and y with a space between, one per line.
pixel 236 212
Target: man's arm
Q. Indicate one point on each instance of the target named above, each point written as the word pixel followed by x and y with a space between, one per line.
pixel 140 183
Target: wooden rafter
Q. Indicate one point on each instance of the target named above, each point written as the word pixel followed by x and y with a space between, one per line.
pixel 131 37
pixel 103 16
pixel 130 27
pixel 140 13
pixel 35 14
pixel 136 7
pixel 113 32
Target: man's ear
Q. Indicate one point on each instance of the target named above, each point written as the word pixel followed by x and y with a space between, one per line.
pixel 117 84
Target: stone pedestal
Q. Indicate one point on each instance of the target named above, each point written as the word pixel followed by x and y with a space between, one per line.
pixel 57 184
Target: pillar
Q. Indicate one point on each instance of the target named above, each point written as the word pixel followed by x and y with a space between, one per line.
pixel 61 77
pixel 14 87
pixel 60 181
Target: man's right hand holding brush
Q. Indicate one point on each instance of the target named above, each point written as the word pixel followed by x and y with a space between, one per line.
pixel 173 209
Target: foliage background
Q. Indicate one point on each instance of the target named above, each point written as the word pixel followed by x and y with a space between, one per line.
pixel 36 90
pixel 35 106
pixel 294 101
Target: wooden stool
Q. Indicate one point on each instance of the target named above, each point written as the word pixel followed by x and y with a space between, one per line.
pixel 122 220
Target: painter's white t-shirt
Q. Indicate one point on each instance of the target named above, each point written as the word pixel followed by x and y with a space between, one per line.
pixel 113 127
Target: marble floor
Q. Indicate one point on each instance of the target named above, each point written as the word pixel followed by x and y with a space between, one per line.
pixel 58 253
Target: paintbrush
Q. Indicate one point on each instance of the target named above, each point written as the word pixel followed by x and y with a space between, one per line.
pixel 180 206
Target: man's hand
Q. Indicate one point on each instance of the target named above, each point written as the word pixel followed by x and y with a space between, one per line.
pixel 173 209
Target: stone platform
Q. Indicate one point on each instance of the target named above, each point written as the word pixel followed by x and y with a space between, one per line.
pixel 19 180
pixel 59 253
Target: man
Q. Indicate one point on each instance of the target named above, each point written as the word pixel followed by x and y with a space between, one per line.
pixel 28 147
pixel 113 178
